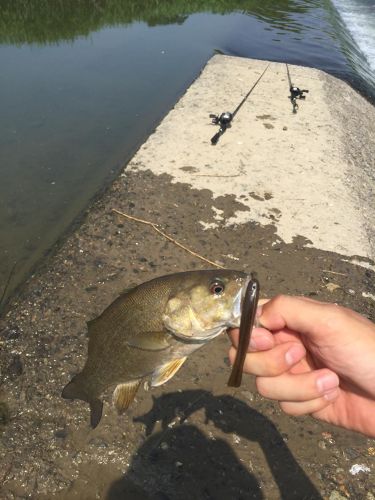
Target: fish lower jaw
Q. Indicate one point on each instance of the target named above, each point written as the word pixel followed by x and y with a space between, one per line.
pixel 235 323
pixel 199 337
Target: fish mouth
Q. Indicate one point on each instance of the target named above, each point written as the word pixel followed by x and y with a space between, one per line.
pixel 237 304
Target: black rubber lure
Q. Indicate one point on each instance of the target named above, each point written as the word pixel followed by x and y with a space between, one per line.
pixel 249 308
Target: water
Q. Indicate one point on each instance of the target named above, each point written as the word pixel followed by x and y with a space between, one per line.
pixel 356 24
pixel 83 83
pixel 359 19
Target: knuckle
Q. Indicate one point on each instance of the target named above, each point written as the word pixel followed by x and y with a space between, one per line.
pixel 279 300
pixel 262 386
pixel 275 369
pixel 290 409
pixel 335 318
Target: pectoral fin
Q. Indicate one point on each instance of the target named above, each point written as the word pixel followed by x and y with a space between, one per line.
pixel 124 394
pixel 150 341
pixel 166 371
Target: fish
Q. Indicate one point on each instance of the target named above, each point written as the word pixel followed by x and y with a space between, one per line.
pixel 249 309
pixel 151 329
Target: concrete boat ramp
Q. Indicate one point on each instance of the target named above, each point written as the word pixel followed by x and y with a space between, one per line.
pixel 290 196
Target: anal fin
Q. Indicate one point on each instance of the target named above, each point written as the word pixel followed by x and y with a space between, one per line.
pixel 166 371
pixel 124 394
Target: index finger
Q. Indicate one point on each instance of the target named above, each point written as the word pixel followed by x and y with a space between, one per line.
pixel 316 319
pixel 260 339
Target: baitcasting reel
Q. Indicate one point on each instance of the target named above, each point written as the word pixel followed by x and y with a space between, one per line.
pixel 223 120
pixel 296 93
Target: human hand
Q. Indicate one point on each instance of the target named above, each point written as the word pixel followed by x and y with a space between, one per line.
pixel 314 358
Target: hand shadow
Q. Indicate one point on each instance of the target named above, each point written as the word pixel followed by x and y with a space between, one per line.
pixel 181 463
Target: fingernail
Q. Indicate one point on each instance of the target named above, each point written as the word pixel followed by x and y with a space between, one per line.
pixel 327 382
pixel 295 354
pixel 260 341
pixel 331 394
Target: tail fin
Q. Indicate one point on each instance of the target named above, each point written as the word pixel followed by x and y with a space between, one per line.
pixel 74 390
pixel 96 408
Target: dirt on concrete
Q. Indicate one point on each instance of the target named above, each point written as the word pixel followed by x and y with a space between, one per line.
pixel 194 437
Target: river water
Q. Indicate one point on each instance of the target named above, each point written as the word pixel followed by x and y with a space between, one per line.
pixel 84 82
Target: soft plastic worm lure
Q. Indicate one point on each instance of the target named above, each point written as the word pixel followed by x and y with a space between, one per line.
pixel 249 308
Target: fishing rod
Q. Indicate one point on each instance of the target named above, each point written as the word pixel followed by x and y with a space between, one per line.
pixel 225 119
pixel 295 92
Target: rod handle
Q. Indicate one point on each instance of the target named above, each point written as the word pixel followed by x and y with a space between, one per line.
pixel 215 138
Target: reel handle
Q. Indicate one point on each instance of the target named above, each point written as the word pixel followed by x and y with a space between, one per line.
pixel 214 119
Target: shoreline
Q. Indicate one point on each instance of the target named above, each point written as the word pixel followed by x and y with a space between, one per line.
pixel 22 275
pixel 244 224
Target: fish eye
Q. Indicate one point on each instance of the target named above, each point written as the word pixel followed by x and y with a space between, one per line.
pixel 217 287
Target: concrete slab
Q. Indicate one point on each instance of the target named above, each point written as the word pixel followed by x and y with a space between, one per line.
pixel 290 170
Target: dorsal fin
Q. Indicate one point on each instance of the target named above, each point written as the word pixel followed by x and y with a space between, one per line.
pixel 93 324
pixel 128 289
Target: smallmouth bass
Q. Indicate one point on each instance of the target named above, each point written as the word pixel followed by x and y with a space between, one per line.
pixel 150 330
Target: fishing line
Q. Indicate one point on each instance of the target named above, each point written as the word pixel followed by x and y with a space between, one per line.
pixel 295 92
pixel 225 119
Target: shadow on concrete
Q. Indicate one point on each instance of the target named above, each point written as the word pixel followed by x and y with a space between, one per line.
pixel 180 462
